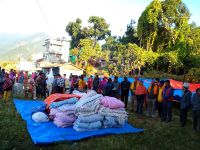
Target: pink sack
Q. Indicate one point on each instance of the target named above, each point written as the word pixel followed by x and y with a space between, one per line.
pixel 112 102
pixel 62 119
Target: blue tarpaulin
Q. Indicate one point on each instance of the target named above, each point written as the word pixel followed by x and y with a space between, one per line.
pixel 147 82
pixel 46 133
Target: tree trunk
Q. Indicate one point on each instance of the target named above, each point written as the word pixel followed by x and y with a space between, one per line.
pixel 184 75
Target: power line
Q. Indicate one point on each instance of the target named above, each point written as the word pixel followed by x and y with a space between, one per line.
pixel 42 12
pixel 51 31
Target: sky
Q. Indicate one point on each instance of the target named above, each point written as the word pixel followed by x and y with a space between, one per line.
pixel 52 16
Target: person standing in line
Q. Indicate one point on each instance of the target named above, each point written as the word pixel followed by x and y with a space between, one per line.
pixel 20 80
pixel 133 87
pixel 66 82
pixel 107 91
pixel 96 83
pixel 75 83
pixel 185 104
pixel 102 85
pixel 7 87
pixel 26 84
pixel 43 85
pixel 152 93
pixel 140 93
pixel 81 84
pixel 32 87
pixel 168 93
pixel 157 81
pixel 125 87
pixel 72 80
pixel 12 76
pixel 160 98
pixel 89 83
pixel 49 82
pixel 59 84
pixel 38 83
pixel 116 87
pixel 196 110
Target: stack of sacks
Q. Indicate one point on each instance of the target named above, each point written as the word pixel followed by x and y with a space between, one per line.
pixel 88 104
pixel 81 94
pixel 63 112
pixel 88 122
pixel 86 110
pixel 113 111
pixel 89 94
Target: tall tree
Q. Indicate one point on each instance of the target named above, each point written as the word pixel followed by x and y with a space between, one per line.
pixel 130 34
pixel 74 30
pixel 163 24
pixel 99 29
pixel 148 24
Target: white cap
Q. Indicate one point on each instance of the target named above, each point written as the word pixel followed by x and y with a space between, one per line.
pixel 186 85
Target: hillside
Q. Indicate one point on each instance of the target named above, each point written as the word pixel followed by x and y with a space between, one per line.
pixel 15 46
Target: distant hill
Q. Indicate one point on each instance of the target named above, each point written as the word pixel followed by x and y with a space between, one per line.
pixel 15 46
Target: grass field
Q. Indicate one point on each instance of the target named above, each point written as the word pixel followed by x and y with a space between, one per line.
pixel 157 135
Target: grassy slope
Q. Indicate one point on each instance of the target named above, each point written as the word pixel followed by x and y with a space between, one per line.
pixel 157 135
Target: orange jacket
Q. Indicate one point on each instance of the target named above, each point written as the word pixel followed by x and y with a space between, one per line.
pixel 140 89
pixel 81 84
pixel 155 90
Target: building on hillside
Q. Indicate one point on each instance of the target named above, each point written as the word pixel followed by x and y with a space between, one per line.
pixel 55 55
pixel 54 47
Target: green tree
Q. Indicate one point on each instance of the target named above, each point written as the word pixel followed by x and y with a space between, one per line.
pixel 148 24
pixel 130 34
pixel 74 30
pixel 86 52
pixel 110 43
pixel 163 24
pixel 99 29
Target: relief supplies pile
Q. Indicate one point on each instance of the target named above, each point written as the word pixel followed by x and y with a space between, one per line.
pixel 84 111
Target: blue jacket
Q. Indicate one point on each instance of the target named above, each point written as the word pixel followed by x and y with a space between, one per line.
pixel 196 102
pixel 186 100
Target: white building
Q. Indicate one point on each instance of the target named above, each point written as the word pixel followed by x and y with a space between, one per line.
pixel 57 50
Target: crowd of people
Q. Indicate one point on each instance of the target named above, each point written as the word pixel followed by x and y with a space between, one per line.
pixel 156 99
pixel 37 84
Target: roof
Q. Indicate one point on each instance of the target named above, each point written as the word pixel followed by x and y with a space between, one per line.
pixel 70 66
pixel 46 64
